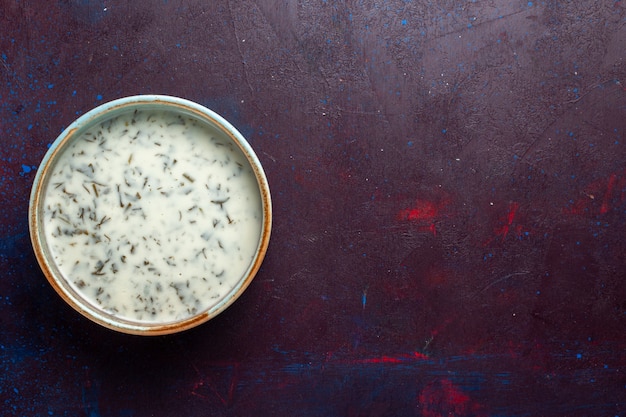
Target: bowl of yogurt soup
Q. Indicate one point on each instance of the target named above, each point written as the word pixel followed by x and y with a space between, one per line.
pixel 150 214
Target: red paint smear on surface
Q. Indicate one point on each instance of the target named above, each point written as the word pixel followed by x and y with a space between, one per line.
pixel 382 359
pixel 601 196
pixel 443 399
pixel 423 213
pixel 414 356
pixel 610 186
pixel 510 217
pixel 509 223
pixel 423 210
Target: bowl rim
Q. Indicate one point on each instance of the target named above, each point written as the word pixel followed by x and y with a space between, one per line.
pixel 56 150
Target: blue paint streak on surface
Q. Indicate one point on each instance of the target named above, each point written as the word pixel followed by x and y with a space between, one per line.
pixel 87 11
pixel 10 245
pixel 90 401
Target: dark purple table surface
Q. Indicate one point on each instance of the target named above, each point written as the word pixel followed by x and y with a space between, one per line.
pixel 449 188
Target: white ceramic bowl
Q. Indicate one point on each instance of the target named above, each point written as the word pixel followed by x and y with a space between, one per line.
pixel 150 214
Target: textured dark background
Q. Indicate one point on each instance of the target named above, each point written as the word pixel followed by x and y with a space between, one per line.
pixel 449 185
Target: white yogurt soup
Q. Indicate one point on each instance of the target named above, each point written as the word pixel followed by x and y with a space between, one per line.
pixel 152 216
